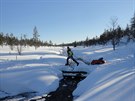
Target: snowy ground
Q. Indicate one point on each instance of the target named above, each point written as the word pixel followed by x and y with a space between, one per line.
pixel 40 71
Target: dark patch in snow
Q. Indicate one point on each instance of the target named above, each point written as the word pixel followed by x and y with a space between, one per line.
pixel 19 97
pixel 64 92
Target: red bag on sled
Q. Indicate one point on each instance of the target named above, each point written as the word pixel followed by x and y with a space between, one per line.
pixel 99 61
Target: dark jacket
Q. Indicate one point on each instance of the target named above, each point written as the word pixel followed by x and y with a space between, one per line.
pixel 69 52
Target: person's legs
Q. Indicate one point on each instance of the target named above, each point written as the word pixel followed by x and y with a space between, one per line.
pixel 67 61
pixel 75 61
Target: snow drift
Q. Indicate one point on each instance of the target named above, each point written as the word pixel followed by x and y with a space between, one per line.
pixel 40 71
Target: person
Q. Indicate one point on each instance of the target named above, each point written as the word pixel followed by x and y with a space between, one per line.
pixel 70 56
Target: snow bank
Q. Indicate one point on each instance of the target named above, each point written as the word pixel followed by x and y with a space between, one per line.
pixel 38 79
pixel 30 72
pixel 113 81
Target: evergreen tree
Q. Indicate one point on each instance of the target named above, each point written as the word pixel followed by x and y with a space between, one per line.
pixel 103 38
pixel 127 33
pixel 1 39
pixel 87 41
pixel 133 27
pixel 119 34
pixel 35 37
pixel 75 44
pixel 11 41
pixel 50 43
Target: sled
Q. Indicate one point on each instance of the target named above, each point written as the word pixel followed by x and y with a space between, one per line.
pixel 99 61
pixel 74 73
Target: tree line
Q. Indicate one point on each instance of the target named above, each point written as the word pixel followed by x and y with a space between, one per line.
pixel 113 35
pixel 11 40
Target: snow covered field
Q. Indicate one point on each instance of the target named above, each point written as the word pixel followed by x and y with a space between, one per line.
pixel 40 71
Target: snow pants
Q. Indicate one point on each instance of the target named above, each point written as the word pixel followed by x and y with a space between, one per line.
pixel 71 57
